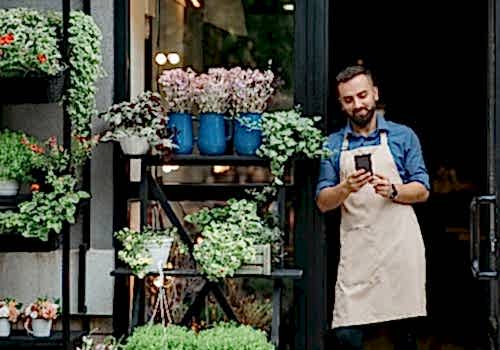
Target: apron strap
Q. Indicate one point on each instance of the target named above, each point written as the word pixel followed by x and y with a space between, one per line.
pixel 345 144
pixel 383 137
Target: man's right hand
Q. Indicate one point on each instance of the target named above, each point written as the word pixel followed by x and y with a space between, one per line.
pixel 358 179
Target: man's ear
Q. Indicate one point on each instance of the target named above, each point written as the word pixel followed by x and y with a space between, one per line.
pixel 375 93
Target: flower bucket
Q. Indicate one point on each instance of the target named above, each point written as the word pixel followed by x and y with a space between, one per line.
pixel 9 187
pixel 212 139
pixel 4 327
pixel 41 327
pixel 159 253
pixel 182 126
pixel 247 140
pixel 134 145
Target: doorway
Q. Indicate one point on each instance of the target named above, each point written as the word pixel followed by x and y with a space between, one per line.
pixel 429 59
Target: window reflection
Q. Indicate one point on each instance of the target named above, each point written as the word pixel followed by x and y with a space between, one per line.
pixel 254 34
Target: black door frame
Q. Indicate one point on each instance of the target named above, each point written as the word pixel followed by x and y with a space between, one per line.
pixel 494 152
pixel 312 85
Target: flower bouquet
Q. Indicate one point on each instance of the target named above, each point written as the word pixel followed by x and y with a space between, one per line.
pixel 9 313
pixel 39 315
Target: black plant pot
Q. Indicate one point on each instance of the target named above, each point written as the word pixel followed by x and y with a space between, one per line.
pixel 28 89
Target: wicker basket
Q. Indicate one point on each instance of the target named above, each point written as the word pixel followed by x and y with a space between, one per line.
pixel 32 89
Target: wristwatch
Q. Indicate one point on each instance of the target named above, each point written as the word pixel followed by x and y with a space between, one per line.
pixel 394 192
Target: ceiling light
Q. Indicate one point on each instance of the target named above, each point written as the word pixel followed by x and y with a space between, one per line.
pixel 160 58
pixel 288 7
pixel 173 58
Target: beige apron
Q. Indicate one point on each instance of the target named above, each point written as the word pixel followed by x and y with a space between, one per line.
pixel 381 275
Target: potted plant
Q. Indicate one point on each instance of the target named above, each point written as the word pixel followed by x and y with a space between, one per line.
pixel 288 134
pixel 212 94
pixel 159 337
pixel 9 313
pixel 39 316
pixel 251 90
pixel 54 199
pixel 29 54
pixel 230 336
pixel 108 343
pixel 145 251
pixel 138 124
pixel 32 69
pixel 228 236
pixel 16 161
pixel 176 85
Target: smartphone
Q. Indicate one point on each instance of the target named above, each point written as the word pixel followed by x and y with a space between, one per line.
pixel 363 161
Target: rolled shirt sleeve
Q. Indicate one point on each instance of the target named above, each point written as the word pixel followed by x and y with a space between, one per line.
pixel 328 175
pixel 329 167
pixel 414 161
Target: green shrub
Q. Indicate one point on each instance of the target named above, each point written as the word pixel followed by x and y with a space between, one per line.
pixel 158 337
pixel 228 336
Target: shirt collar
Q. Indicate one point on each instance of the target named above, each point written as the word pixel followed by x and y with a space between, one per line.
pixel 381 125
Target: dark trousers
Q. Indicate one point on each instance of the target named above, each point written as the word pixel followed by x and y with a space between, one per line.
pixel 352 338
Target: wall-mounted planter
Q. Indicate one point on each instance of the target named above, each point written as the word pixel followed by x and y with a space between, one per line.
pixel 36 90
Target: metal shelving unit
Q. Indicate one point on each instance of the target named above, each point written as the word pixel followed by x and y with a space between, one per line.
pixel 147 188
pixel 65 338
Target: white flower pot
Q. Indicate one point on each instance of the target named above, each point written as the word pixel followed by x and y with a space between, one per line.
pixel 159 253
pixel 4 327
pixel 41 327
pixel 134 145
pixel 8 187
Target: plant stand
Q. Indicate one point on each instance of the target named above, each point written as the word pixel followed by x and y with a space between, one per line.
pixel 147 185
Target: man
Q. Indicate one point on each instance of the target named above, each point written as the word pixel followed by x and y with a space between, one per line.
pixel 381 273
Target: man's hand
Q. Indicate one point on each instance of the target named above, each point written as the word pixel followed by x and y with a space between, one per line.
pixel 382 185
pixel 358 179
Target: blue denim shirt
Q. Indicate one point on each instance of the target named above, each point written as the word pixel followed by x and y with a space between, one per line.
pixel 403 143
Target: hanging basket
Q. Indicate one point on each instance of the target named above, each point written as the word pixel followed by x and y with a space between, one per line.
pixel 28 89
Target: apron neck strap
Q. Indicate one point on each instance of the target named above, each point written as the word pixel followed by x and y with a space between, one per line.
pixel 383 140
pixel 383 137
pixel 345 143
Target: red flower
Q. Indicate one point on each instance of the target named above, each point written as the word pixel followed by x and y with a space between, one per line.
pixel 7 39
pixel 42 58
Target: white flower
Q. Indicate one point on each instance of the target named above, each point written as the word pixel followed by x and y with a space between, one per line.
pixel 33 314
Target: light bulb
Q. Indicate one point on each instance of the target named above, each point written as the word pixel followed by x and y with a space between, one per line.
pixel 160 58
pixel 173 58
pixel 196 3
pixel 288 7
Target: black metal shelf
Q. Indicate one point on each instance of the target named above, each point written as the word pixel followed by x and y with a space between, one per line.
pixel 213 191
pixel 7 202
pixel 20 340
pixel 275 274
pixel 14 242
pixel 194 159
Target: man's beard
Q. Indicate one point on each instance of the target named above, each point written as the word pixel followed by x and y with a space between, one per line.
pixel 362 120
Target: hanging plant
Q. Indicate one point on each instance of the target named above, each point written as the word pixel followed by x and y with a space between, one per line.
pixel 286 135
pixel 85 68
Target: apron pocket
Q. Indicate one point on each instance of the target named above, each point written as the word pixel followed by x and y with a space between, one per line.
pixel 359 256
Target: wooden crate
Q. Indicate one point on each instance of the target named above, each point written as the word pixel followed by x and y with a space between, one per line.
pixel 261 265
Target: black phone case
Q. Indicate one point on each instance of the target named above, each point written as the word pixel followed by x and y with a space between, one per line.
pixel 363 161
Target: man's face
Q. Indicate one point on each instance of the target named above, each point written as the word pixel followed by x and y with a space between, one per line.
pixel 358 98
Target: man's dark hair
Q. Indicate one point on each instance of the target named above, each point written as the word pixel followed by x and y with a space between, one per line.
pixel 350 72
